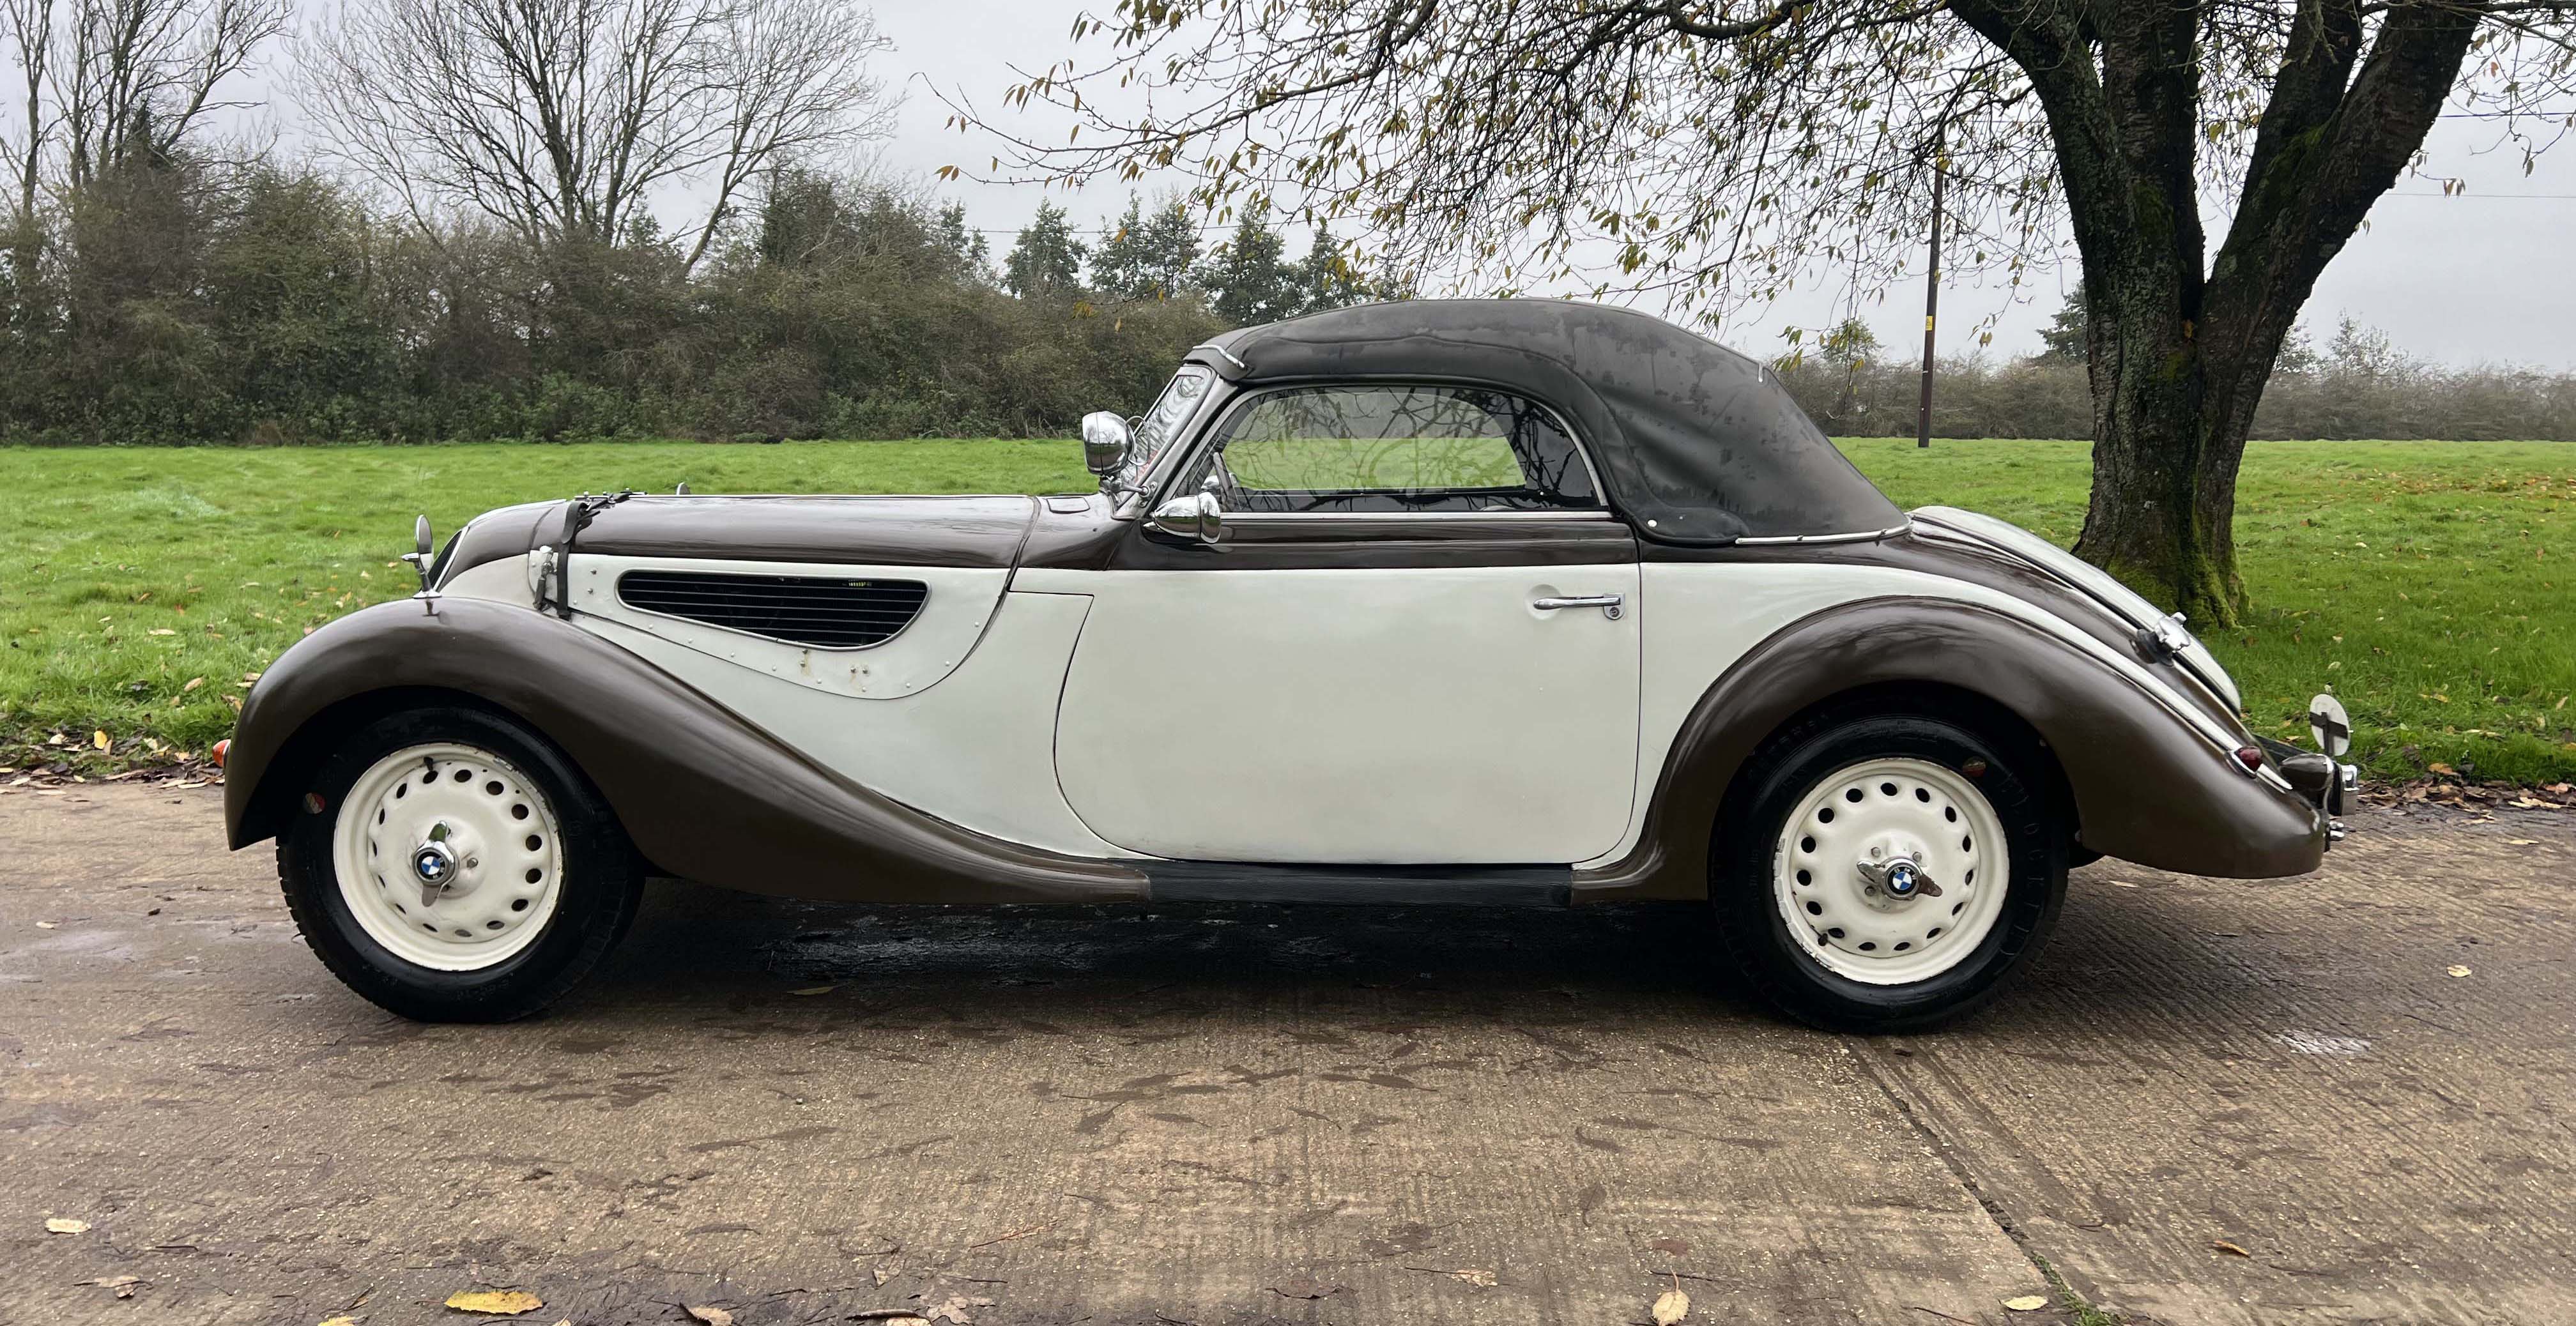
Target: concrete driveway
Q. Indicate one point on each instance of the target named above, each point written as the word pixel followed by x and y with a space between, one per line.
pixel 2213 1102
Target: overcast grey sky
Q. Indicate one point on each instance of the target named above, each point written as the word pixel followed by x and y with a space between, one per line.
pixel 2485 277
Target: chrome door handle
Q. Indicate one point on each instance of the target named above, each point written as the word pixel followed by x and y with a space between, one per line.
pixel 1607 603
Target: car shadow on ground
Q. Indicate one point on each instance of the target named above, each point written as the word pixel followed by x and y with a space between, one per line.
pixel 693 944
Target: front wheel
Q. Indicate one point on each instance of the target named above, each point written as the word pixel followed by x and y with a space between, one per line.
pixel 1883 872
pixel 452 866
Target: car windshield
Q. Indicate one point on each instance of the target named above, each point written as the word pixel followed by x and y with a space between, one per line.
pixel 1162 424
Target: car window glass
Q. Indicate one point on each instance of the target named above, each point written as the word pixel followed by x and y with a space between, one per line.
pixel 1395 448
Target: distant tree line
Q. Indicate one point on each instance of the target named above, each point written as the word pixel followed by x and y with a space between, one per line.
pixel 486 245
pixel 2357 386
pixel 178 299
pixel 572 219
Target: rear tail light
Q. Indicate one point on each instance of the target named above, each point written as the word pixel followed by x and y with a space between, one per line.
pixel 221 748
pixel 2250 757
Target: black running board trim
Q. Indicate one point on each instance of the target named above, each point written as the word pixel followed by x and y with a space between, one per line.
pixel 1395 886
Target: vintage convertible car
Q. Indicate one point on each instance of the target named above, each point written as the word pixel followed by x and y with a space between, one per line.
pixel 1472 602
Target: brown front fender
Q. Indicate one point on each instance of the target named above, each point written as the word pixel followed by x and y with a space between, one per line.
pixel 704 794
pixel 2146 786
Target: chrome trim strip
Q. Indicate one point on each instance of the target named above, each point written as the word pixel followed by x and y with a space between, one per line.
pixel 1935 528
pixel 1262 517
pixel 1784 540
pixel 2189 714
pixel 1228 355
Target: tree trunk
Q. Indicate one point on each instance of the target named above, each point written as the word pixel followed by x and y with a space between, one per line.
pixel 2164 487
pixel 2179 357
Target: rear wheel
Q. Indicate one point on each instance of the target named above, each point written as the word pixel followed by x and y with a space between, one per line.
pixel 1882 872
pixel 452 866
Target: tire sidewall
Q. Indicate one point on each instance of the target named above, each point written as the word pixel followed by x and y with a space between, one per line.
pixel 596 893
pixel 1777 781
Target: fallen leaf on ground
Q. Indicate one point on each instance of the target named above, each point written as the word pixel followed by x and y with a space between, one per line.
pixel 99 739
pixel 194 683
pixel 122 1284
pixel 1671 1306
pixel 1482 1279
pixel 1304 1286
pixel 2441 768
pixel 954 1310
pixel 495 1302
pixel 2522 842
pixel 2458 970
pixel 1671 1247
pixel 352 1321
pixel 64 1224
pixel 815 990
pixel 712 1316
pixel 2229 1248
pixel 884 1273
pixel 2026 1303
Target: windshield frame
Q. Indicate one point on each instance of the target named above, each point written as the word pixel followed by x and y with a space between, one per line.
pixel 1143 465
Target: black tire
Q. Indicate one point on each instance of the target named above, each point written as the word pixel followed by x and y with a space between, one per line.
pixel 1780 776
pixel 601 878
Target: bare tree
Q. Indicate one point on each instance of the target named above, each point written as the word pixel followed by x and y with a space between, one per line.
pixel 27 26
pixel 93 79
pixel 570 119
pixel 1719 150
pixel 141 72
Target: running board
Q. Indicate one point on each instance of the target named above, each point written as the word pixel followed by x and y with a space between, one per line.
pixel 1397 886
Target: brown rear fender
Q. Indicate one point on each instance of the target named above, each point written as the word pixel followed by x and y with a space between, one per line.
pixel 2146 786
pixel 703 794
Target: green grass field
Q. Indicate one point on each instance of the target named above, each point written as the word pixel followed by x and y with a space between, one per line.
pixel 140 587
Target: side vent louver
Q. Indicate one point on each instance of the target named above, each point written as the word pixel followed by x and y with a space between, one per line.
pixel 825 612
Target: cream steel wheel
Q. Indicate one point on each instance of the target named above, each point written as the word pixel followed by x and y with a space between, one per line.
pixel 1879 868
pixel 1891 871
pixel 448 856
pixel 452 865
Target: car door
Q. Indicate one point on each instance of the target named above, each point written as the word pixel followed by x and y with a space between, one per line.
pixel 1416 642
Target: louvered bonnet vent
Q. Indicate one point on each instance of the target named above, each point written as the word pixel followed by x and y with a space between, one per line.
pixel 822 611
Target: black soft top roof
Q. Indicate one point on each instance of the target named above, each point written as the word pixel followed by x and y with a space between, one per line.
pixel 1697 443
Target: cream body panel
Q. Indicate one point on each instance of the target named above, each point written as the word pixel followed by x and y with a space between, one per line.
pixel 502 580
pixel 976 750
pixel 1704 616
pixel 1381 717
pixel 952 619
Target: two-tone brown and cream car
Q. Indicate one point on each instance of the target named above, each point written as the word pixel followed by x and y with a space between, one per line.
pixel 1471 602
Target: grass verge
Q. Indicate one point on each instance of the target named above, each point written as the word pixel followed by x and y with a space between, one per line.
pixel 141 587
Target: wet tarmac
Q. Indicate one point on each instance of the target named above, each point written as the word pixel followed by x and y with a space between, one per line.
pixel 2212 1102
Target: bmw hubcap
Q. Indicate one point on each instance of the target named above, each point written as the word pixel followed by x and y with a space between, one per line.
pixel 1891 871
pixel 448 856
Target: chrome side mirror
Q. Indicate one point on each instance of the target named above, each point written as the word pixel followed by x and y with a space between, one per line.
pixel 1197 516
pixel 1106 440
pixel 2330 725
pixel 423 553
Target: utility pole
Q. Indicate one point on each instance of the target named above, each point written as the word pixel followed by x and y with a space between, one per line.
pixel 1931 301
